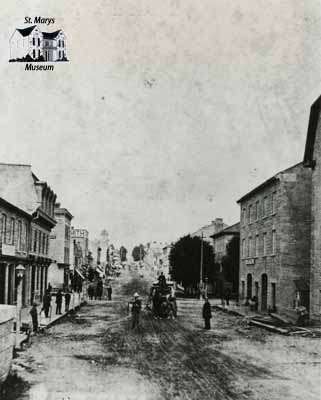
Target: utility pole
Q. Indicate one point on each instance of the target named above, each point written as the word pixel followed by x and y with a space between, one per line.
pixel 201 267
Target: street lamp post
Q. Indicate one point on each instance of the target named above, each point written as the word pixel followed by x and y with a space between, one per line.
pixel 20 269
pixel 201 267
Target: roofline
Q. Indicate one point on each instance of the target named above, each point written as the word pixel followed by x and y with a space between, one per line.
pixel 266 183
pixel 15 208
pixel 15 165
pixel 312 128
pixel 225 231
pixel 63 210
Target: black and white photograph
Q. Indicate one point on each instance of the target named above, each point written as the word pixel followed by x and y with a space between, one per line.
pixel 160 200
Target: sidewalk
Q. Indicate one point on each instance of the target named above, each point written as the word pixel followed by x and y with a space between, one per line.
pixel 77 299
pixel 233 308
pixel 271 322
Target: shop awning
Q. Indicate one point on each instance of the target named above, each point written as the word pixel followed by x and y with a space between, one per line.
pixel 80 274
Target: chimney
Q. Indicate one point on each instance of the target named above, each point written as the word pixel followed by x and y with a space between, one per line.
pixel 218 224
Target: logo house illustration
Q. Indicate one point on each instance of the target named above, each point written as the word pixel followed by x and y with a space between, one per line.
pixel 32 45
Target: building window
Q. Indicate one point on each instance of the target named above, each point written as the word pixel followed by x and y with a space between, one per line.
pixel 250 247
pixel 33 41
pixel 38 41
pixel 12 230
pixel 67 232
pixel 273 241
pixel 244 215
pixel 249 214
pixel 4 228
pixel 19 238
pixel 47 245
pixel 264 243
pixel 265 206
pixel 39 242
pixel 256 211
pixel 35 239
pixel 243 248
pixel 63 43
pixel 256 245
pixel 273 203
pixel 43 243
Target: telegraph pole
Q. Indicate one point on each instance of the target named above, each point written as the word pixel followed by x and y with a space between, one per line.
pixel 201 267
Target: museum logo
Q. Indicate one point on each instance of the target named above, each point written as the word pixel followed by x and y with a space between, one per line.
pixel 32 45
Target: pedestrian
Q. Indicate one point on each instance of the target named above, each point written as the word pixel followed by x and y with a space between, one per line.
pixel 173 305
pixel 58 301
pixel 34 316
pixel 99 289
pixel 227 296
pixel 49 287
pixel 207 314
pixel 136 307
pixel 46 303
pixel 67 300
pixel 162 281
pixel 109 291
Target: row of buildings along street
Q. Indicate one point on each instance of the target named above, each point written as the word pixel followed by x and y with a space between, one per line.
pixel 268 262
pixel 278 240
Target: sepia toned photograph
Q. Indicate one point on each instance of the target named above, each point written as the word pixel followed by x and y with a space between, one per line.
pixel 160 200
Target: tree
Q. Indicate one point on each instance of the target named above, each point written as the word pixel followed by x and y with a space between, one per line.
pixel 138 253
pixel 123 253
pixel 231 262
pixel 185 260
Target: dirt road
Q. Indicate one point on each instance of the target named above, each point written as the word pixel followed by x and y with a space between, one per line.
pixel 95 355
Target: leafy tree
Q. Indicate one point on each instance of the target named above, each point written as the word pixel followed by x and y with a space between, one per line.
pixel 231 262
pixel 138 252
pixel 185 260
pixel 123 253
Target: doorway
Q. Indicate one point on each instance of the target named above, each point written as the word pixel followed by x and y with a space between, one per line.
pixel 264 292
pixel 249 286
pixel 273 296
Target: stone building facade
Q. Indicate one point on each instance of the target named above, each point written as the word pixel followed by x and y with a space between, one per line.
pixel 225 279
pixel 312 160
pixel 60 248
pixel 275 241
pixel 208 230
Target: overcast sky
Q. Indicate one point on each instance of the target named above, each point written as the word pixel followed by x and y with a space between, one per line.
pixel 168 111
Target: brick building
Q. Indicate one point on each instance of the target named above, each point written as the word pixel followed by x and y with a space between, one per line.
pixel 14 236
pixel 60 244
pixel 226 278
pixel 275 241
pixel 312 160
pixel 27 220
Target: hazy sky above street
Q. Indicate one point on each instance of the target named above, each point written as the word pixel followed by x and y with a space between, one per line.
pixel 168 111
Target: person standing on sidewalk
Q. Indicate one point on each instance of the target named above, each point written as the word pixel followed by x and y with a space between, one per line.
pixel 67 300
pixel 58 302
pixel 136 307
pixel 46 303
pixel 34 316
pixel 207 314
pixel 109 291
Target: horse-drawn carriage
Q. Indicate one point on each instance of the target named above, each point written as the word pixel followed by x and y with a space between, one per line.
pixel 161 301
